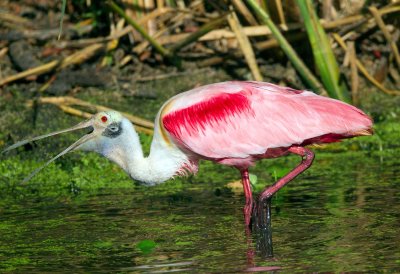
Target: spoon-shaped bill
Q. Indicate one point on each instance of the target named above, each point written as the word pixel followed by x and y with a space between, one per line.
pixel 81 125
pixel 89 136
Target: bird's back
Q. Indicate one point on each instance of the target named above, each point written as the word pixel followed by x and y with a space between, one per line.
pixel 239 120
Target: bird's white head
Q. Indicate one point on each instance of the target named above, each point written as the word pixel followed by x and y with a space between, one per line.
pixel 105 130
pixel 108 131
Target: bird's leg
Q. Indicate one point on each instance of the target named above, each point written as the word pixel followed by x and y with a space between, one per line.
pixel 263 229
pixel 248 195
pixel 307 159
pixel 262 212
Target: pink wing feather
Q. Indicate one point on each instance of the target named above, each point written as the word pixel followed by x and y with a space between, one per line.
pixel 244 119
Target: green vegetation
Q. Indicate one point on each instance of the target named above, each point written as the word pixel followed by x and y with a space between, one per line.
pixel 287 48
pixel 325 59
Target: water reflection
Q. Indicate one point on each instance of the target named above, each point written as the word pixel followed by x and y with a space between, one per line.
pixel 261 233
pixel 262 229
pixel 163 268
pixel 329 220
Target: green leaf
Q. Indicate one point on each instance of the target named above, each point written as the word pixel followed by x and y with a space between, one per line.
pixel 322 50
pixel 146 246
pixel 253 179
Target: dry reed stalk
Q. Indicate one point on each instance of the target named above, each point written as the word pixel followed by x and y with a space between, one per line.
pixel 68 101
pixel 3 52
pixel 167 14
pixel 245 45
pixel 75 112
pixel 86 53
pixel 157 13
pixel 194 36
pixel 374 11
pixel 198 6
pixel 326 10
pixel 140 4
pixel 281 15
pixel 140 48
pixel 73 59
pixel 118 33
pixel 357 18
pixel 299 65
pixel 212 61
pixel 363 70
pixel 149 6
pixel 131 11
pixel 125 60
pixel 181 4
pixel 273 43
pixel 164 52
pixel 217 34
pixel 87 115
pixel 243 10
pixel 160 4
pixel 220 33
pixel 15 21
pixel 46 85
pixel 355 81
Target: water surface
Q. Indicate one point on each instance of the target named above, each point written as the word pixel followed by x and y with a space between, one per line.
pixel 343 214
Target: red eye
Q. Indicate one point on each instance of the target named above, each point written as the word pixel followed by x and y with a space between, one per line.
pixel 104 119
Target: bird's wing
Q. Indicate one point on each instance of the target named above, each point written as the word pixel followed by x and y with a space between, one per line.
pixel 239 119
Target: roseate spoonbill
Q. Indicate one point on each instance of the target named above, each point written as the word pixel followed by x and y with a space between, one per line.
pixel 231 123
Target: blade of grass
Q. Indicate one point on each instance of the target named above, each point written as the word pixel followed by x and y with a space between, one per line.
pixel 241 7
pixel 163 51
pixel 206 28
pixel 322 51
pixel 303 70
pixel 138 9
pixel 64 4
pixel 171 3
pixel 245 45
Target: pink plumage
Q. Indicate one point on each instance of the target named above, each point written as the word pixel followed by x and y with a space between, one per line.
pixel 236 123
pixel 232 123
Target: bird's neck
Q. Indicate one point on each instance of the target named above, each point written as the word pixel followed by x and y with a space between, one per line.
pixel 161 164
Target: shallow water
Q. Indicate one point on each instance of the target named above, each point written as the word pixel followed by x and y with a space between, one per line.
pixel 343 214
